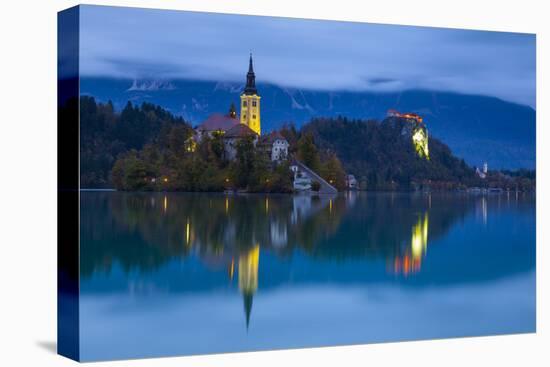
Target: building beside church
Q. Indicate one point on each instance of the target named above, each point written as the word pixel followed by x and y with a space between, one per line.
pixel 215 123
pixel 232 137
pixel 276 146
pixel 232 127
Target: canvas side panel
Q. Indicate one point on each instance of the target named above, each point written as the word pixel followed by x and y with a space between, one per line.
pixel 68 183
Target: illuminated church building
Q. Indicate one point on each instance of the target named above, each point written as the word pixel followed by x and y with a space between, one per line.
pixel 250 102
pixel 234 127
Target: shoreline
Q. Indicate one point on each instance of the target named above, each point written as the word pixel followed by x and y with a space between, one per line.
pixel 311 193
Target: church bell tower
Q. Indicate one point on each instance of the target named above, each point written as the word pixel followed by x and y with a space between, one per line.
pixel 250 102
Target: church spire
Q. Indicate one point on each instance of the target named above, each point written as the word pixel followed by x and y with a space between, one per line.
pixel 250 66
pixel 247 298
pixel 250 87
pixel 250 101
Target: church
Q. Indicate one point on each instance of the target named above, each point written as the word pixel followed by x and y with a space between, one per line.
pixel 233 127
pixel 250 102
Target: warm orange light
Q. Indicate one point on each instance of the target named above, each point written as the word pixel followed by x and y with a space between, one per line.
pixel 232 269
pixel 407 115
pixel 187 232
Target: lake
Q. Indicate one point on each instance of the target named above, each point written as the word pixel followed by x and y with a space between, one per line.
pixel 181 273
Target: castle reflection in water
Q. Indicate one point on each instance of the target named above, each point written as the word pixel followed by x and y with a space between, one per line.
pixel 143 231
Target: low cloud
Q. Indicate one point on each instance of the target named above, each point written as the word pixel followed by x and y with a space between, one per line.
pixel 158 44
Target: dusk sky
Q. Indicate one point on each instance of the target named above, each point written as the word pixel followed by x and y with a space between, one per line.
pixel 160 44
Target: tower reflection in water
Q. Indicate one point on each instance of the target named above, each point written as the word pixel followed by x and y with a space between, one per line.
pixel 248 278
pixel 158 267
pixel 226 232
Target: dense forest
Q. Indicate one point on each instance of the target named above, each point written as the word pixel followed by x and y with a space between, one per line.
pixel 382 157
pixel 144 148
pixel 106 134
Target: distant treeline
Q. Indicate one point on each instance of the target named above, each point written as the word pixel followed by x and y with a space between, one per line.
pixel 149 142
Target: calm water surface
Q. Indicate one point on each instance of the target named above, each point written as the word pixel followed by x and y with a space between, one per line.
pixel 172 274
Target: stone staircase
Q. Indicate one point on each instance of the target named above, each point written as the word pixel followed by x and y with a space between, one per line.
pixel 326 188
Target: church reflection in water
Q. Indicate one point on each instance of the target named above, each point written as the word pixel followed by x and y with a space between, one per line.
pixel 248 278
pixel 144 231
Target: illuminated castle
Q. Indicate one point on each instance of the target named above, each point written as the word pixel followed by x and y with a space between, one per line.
pixel 250 102
pixel 406 115
pixel 416 130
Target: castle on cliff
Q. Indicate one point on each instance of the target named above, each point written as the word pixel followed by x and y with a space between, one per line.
pixel 415 129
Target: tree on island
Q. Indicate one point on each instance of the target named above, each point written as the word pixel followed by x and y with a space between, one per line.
pixel 167 164
pixel 333 172
pixel 131 172
pixel 244 162
pixel 307 152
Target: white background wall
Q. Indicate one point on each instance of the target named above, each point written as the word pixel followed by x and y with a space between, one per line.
pixel 28 181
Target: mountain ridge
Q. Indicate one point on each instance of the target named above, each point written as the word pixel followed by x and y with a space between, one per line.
pixel 477 128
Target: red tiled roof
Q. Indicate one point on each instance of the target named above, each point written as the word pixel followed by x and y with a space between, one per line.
pixel 272 136
pixel 218 121
pixel 239 131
